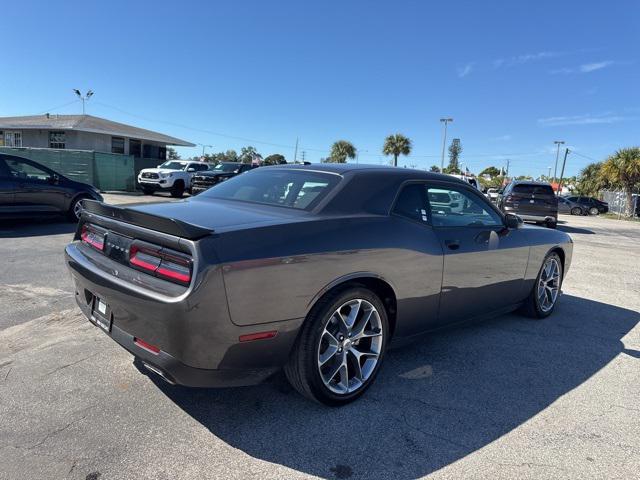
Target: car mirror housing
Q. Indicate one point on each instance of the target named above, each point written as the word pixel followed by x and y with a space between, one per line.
pixel 191 169
pixel 512 221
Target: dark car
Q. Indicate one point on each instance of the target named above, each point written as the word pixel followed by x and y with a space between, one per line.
pixel 316 269
pixel 532 201
pixel 30 189
pixel 216 174
pixel 568 207
pixel 591 205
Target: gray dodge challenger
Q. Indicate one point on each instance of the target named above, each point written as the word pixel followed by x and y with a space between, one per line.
pixel 316 269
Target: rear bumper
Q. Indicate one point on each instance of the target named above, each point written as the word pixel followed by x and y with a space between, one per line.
pixel 529 217
pixel 199 345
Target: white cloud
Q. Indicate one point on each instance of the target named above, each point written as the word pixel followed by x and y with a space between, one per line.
pixel 502 138
pixel 465 70
pixel 592 67
pixel 526 58
pixel 587 119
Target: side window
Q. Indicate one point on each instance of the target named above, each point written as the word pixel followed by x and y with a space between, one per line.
pixel 26 171
pixel 411 203
pixel 453 207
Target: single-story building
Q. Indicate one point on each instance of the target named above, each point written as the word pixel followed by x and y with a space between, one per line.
pixel 85 132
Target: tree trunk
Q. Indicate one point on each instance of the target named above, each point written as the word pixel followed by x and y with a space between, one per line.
pixel 629 203
pixel 395 160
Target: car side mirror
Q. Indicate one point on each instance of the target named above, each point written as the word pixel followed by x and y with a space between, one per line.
pixel 191 169
pixel 512 220
pixel 54 179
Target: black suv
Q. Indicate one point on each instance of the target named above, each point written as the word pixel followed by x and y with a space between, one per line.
pixel 29 189
pixel 216 174
pixel 531 201
pixel 591 205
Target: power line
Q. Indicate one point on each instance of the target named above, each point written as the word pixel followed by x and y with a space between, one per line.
pixel 59 106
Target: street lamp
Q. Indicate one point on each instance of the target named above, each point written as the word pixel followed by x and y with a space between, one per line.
pixel 203 147
pixel 85 98
pixel 444 140
pixel 555 169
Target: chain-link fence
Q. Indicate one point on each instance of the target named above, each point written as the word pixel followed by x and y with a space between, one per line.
pixel 617 200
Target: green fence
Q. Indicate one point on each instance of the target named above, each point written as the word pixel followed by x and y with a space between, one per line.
pixel 105 171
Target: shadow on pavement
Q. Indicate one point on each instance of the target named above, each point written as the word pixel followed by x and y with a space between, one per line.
pixel 568 229
pixel 433 403
pixel 36 227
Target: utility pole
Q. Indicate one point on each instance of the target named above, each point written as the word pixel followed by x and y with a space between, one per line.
pixel 549 174
pixel 564 162
pixel 304 155
pixel 555 170
pixel 203 147
pixel 86 97
pixel 444 140
pixel 295 152
pixel 506 176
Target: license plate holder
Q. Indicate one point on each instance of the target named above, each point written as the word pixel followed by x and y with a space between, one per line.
pixel 101 314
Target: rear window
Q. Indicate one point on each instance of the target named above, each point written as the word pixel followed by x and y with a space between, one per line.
pixel 299 189
pixel 528 189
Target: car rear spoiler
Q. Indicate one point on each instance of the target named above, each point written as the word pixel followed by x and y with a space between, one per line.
pixel 167 225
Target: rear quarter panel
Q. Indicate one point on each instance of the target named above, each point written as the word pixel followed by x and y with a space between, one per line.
pixel 276 273
pixel 542 241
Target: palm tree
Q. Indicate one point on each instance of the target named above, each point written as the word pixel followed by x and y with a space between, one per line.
pixel 434 168
pixel 396 145
pixel 590 181
pixel 622 170
pixel 340 151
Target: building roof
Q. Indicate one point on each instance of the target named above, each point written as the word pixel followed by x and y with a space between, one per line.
pixel 87 123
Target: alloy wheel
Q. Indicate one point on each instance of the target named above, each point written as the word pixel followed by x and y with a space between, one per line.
pixel 350 346
pixel 77 209
pixel 549 284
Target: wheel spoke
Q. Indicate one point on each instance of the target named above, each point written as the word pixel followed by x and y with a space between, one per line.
pixel 358 330
pixel 353 313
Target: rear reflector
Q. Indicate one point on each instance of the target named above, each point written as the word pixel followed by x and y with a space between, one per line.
pixel 249 337
pixel 147 346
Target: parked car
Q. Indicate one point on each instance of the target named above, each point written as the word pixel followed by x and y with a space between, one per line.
pixel 218 173
pixel 347 259
pixel 467 178
pixel 531 201
pixel 173 176
pixel 28 188
pixel 568 207
pixel 492 194
pixel 591 205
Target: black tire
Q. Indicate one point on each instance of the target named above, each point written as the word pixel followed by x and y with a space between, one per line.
pixel 302 369
pixel 594 211
pixel 551 224
pixel 177 191
pixel 531 307
pixel 73 212
pixel 147 191
pixel 576 211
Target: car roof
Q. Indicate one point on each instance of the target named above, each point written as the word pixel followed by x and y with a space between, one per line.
pixel 351 168
pixel 530 182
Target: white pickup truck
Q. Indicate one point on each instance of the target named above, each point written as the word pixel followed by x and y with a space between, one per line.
pixel 172 176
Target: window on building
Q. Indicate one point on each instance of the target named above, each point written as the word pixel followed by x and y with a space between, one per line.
pixel 12 139
pixel 117 145
pixel 135 148
pixel 57 139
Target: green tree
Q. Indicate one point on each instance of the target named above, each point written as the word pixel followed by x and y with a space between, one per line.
pixel 172 154
pixel 491 171
pixel 247 154
pixel 274 159
pixel 622 170
pixel 434 168
pixel 590 182
pixel 455 149
pixel 340 151
pixel 396 145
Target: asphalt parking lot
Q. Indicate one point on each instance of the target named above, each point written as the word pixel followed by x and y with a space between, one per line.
pixel 508 398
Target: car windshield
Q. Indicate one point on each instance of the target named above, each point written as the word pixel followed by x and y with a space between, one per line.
pixel 300 189
pixel 225 167
pixel 173 165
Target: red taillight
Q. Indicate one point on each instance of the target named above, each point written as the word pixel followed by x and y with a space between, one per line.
pixel 91 236
pixel 160 262
pixel 147 346
pixel 249 337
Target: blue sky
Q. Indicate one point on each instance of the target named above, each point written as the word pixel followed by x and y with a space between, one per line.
pixel 514 76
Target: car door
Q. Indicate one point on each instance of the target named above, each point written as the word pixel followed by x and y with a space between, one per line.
pixel 484 261
pixel 7 189
pixel 37 187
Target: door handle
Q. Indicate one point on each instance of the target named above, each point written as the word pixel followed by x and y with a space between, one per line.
pixel 452 244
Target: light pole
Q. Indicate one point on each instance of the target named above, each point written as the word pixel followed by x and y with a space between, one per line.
pixel 555 169
pixel 444 140
pixel 549 174
pixel 86 97
pixel 205 146
pixel 358 155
